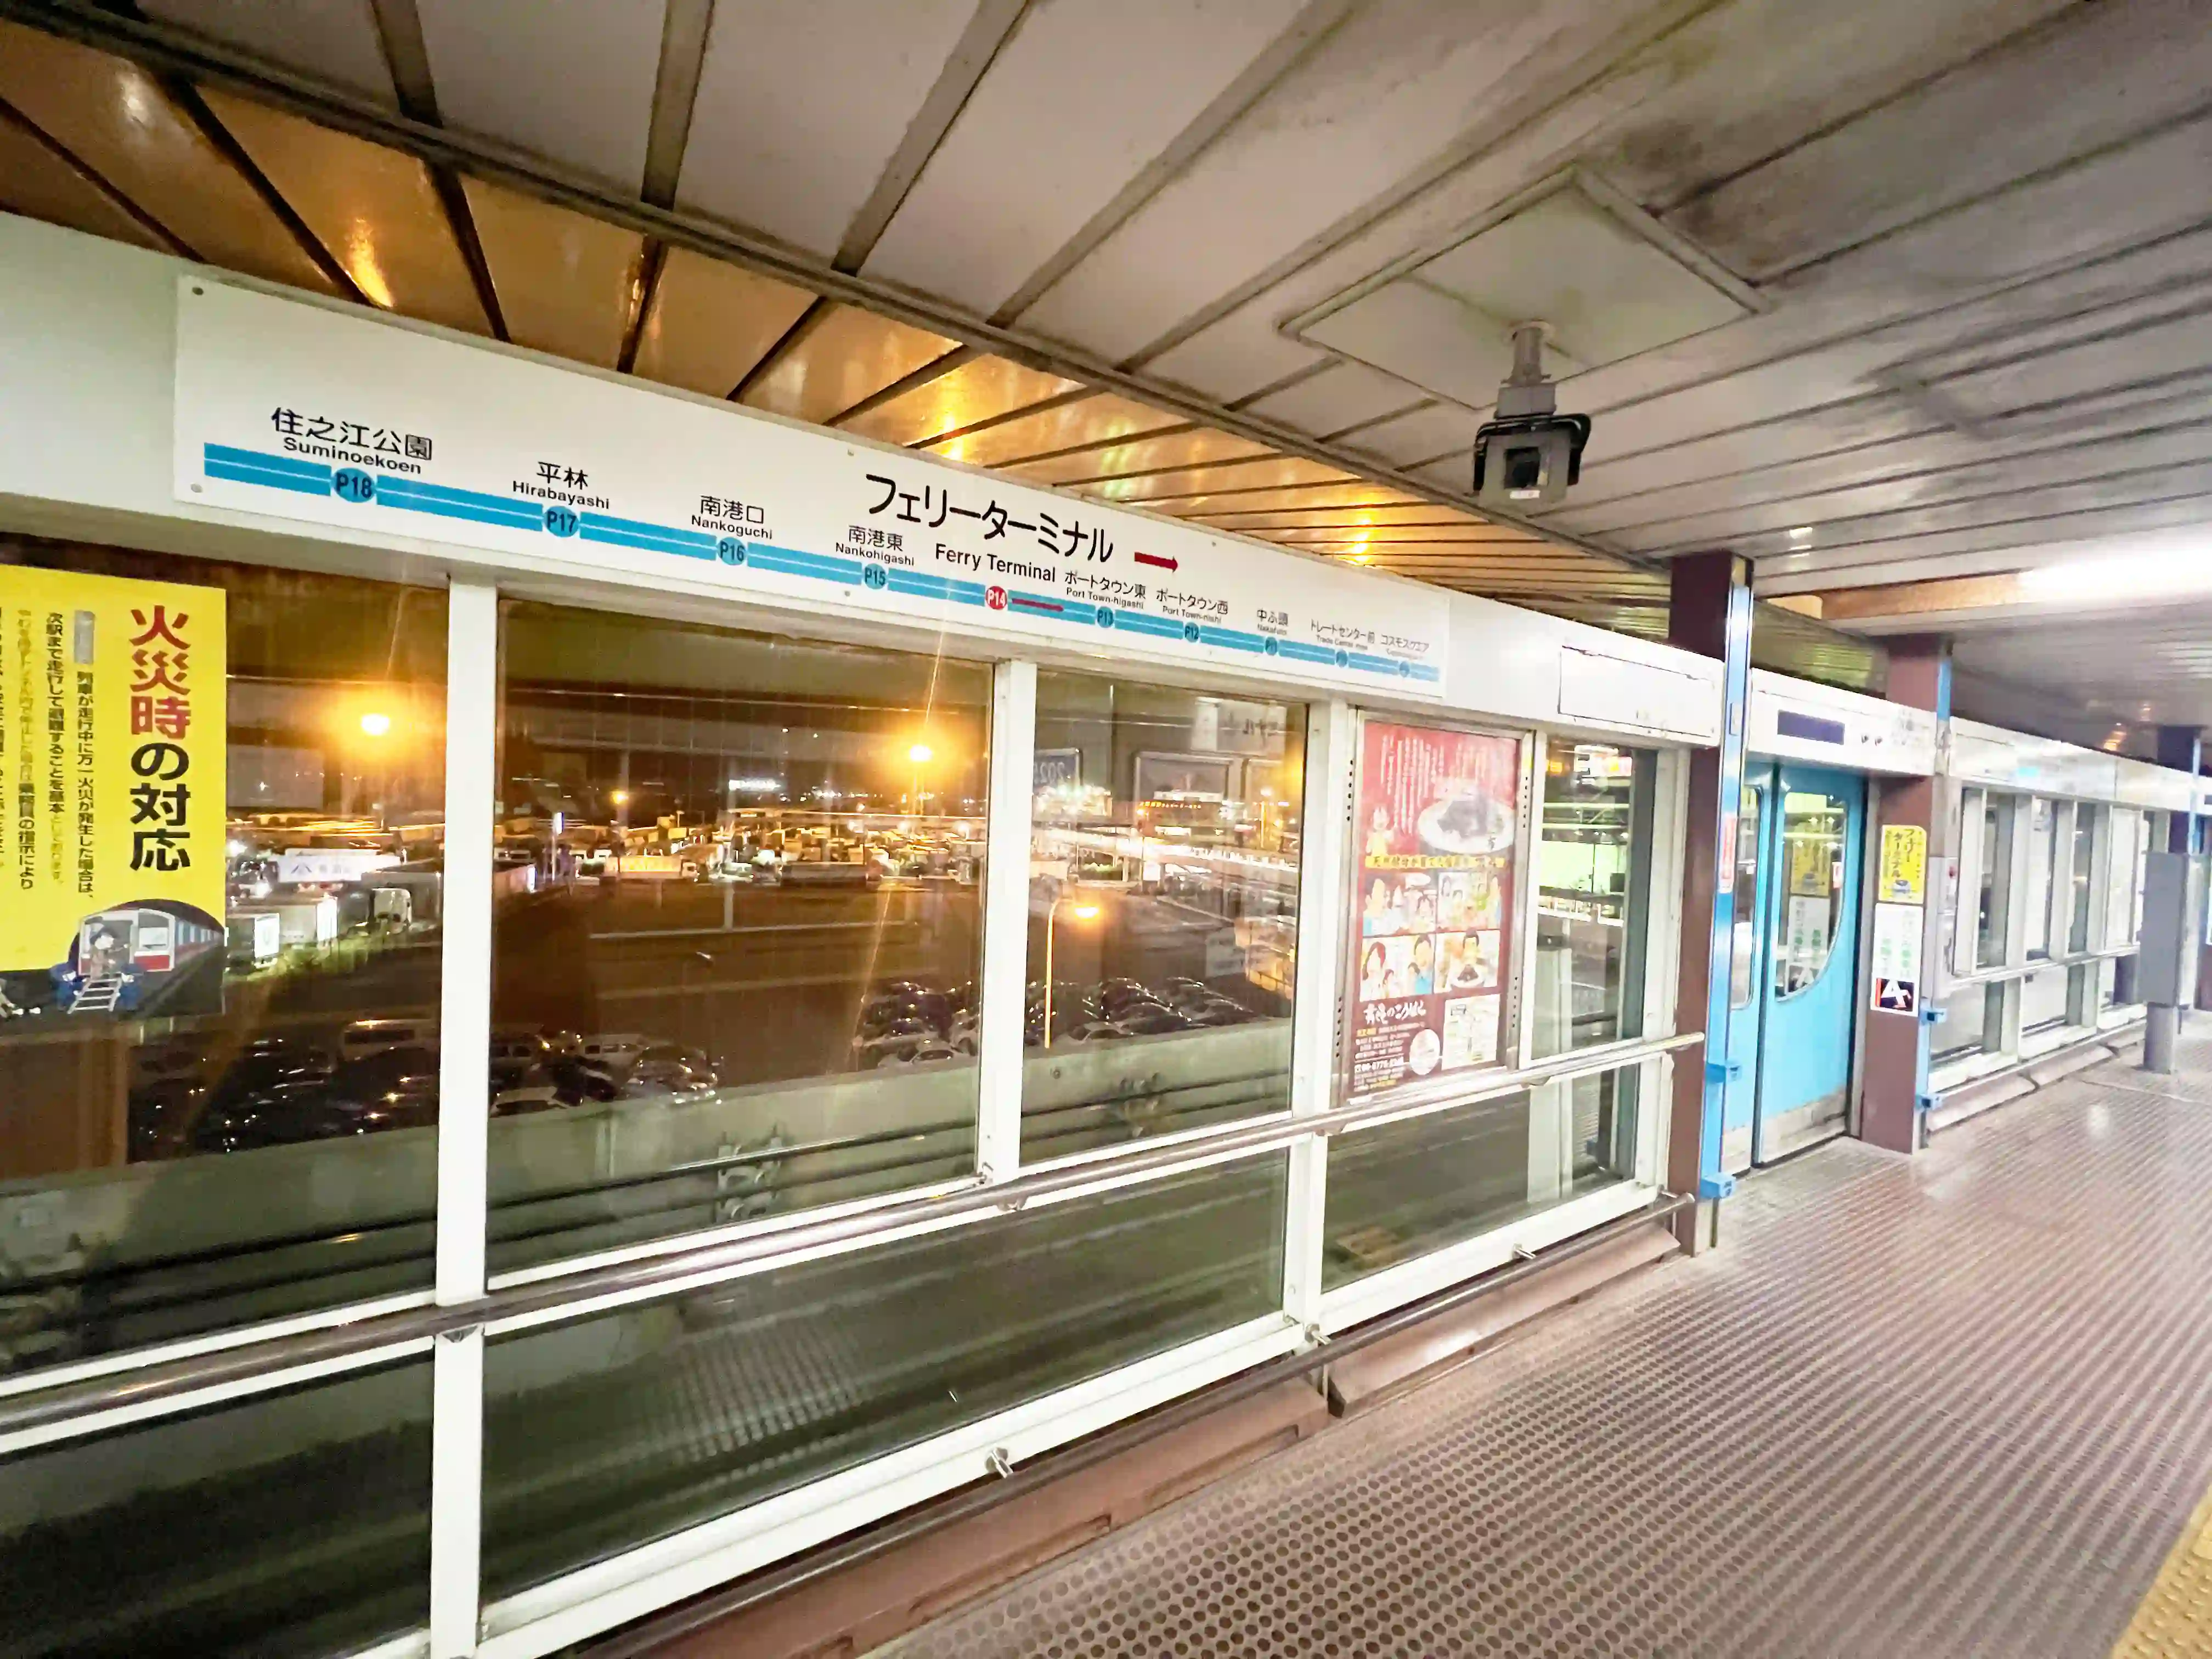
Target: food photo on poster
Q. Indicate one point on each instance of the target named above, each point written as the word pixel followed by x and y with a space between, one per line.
pixel 1436 822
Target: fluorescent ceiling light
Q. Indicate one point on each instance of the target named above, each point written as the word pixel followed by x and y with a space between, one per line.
pixel 2154 575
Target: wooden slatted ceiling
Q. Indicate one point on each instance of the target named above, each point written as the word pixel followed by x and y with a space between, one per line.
pixel 90 141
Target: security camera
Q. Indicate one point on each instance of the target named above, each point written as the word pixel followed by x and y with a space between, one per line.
pixel 1527 457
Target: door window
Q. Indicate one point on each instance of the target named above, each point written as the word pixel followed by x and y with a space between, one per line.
pixel 1743 946
pixel 2043 846
pixel 1993 904
pixel 1812 871
pixel 2085 851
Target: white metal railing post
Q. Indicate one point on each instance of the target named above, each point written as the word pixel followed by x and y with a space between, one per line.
pixel 1006 920
pixel 1323 880
pixel 464 1110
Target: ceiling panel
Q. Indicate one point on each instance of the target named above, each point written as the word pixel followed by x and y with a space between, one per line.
pixel 498 63
pixel 1360 493
pixel 709 325
pixel 1020 135
pixel 1347 394
pixel 977 391
pixel 566 283
pixel 1421 435
pixel 374 208
pixel 802 102
pixel 2138 65
pixel 40 185
pixel 114 117
pixel 848 355
pixel 1087 421
pixel 1203 448
pixel 1377 99
pixel 1215 480
pixel 331 40
pixel 1406 535
pixel 1268 521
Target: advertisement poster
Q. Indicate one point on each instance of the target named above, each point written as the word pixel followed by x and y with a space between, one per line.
pixel 1897 957
pixel 112 749
pixel 1436 824
pixel 1904 865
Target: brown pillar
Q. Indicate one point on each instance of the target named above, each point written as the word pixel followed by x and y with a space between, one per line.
pixel 1894 1063
pixel 1709 611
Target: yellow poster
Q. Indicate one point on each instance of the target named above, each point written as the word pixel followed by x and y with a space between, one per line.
pixel 1904 865
pixel 112 754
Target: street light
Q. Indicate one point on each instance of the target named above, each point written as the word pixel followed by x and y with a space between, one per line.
pixel 375 725
pixel 1084 911
pixel 921 753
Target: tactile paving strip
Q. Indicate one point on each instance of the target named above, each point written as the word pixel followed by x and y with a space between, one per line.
pixel 1956 1404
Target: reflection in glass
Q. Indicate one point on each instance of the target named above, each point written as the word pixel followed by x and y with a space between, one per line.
pixel 736 929
pixel 1163 906
pixel 1812 860
pixel 1593 871
pixel 286 1526
pixel 2045 1001
pixel 2043 850
pixel 605 1434
pixel 1972 1017
pixel 219 1083
pixel 1409 1187
pixel 1993 903
pixel 2079 872
pixel 1743 943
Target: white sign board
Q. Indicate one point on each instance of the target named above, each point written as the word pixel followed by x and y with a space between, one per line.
pixel 330 865
pixel 303 413
pixel 1897 957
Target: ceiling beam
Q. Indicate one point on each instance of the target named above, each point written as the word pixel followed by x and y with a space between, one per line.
pixel 173 51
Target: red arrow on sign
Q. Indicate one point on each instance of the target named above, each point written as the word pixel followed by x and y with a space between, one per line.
pixel 1154 558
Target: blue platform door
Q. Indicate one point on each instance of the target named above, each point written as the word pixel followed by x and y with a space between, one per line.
pixel 1817 838
pixel 1794 964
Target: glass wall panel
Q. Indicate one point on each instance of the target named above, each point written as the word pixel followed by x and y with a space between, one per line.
pixel 1813 860
pixel 1593 871
pixel 1743 942
pixel 1415 1186
pixel 1164 911
pixel 2126 859
pixel 2044 848
pixel 285 1526
pixel 1972 1020
pixel 2079 869
pixel 737 927
pixel 1993 900
pixel 2044 1001
pixel 219 966
pixel 603 1435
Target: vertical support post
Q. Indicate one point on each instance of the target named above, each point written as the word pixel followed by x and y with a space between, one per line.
pixel 456 1491
pixel 1006 920
pixel 464 994
pixel 1893 1069
pixel 1709 611
pixel 2169 942
pixel 464 1108
pixel 1332 739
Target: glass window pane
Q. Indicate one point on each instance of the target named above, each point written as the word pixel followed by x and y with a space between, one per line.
pixel 1813 860
pixel 737 927
pixel 1593 867
pixel 605 1434
pixel 1743 944
pixel 1437 825
pixel 1164 911
pixel 2044 1004
pixel 219 973
pixel 1409 1187
pixel 287 1526
pixel 2042 872
pixel 2126 857
pixel 2080 869
pixel 1969 1016
pixel 1993 903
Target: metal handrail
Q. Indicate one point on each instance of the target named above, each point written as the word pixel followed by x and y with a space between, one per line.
pixel 667 1627
pixel 267 1360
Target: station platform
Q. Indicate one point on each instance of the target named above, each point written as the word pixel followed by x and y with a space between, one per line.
pixel 1956 1404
